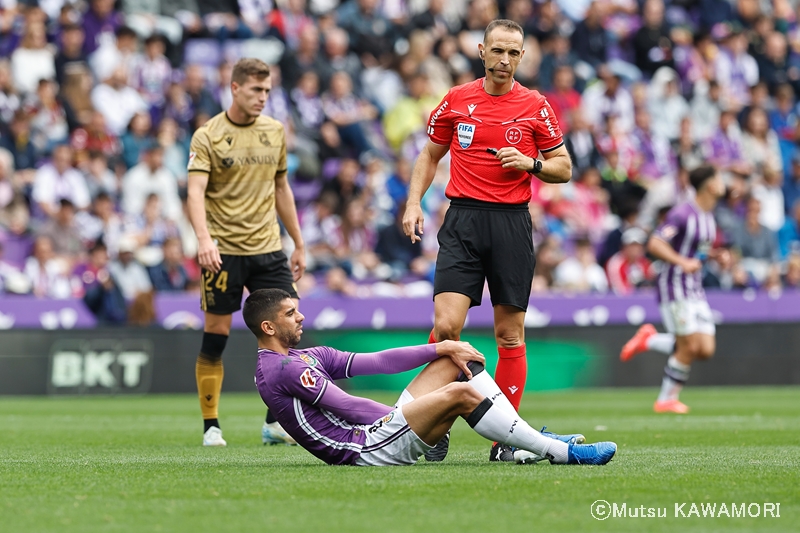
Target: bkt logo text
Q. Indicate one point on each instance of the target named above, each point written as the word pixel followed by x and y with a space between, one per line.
pixel 78 367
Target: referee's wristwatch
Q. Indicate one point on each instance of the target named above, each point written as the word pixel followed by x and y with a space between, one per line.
pixel 537 167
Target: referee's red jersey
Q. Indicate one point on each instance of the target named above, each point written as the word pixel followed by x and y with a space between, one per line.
pixel 469 121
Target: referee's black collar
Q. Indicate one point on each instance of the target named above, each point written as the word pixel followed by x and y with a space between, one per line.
pixel 237 124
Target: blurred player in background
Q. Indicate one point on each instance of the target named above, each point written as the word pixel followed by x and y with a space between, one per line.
pixel 494 129
pixel 237 186
pixel 682 242
pixel 298 385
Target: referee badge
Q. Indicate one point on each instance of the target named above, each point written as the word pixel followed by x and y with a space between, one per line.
pixel 466 132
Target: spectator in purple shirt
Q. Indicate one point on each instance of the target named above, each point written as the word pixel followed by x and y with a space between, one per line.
pixel 724 150
pixel 12 280
pixel 657 157
pixel 99 24
pixel 152 75
pixel 17 239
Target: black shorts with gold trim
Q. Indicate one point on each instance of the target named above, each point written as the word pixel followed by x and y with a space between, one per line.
pixel 221 293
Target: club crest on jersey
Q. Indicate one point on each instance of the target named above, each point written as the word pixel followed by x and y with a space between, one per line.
pixel 307 379
pixel 668 232
pixel 513 135
pixel 308 359
pixel 466 132
pixel 378 424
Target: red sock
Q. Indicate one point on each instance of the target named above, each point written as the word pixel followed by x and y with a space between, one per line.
pixel 511 373
pixel 431 338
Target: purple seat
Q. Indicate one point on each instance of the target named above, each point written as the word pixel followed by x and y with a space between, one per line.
pixel 206 52
pixel 305 192
pixel 330 168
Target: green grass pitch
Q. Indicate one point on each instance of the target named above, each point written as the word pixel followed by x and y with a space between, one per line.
pixel 135 464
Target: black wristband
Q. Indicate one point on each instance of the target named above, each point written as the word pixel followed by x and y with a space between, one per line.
pixel 537 167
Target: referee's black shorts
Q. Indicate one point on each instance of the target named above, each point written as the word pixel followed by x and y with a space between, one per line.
pixel 485 241
pixel 221 293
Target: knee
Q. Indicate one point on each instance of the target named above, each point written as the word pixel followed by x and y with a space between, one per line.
pixel 699 349
pixel 705 351
pixel 448 331
pixel 464 396
pixel 508 337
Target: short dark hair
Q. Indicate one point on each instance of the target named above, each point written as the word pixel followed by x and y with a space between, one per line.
pixel 247 67
pixel 502 23
pixel 262 305
pixel 700 175
pixel 103 196
pixel 125 31
pixel 155 38
pixel 98 246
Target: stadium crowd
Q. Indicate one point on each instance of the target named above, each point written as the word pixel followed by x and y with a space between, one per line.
pixel 98 101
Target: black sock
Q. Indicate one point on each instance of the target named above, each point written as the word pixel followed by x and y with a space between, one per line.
pixel 475 416
pixel 210 423
pixel 270 417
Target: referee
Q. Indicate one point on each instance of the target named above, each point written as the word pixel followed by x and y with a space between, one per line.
pixel 237 189
pixel 494 129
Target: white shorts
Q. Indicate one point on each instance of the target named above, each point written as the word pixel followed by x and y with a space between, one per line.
pixel 390 442
pixel 685 317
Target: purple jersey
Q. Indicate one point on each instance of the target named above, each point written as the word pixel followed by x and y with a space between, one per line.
pixel 691 232
pixel 298 389
pixel 292 385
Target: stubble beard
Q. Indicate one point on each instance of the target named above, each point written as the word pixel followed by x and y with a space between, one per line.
pixel 289 338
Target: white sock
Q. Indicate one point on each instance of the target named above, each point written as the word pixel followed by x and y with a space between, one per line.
pixel 483 383
pixel 675 376
pixel 662 342
pixel 493 422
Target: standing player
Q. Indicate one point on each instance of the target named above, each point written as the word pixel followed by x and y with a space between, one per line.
pixel 237 186
pixel 494 129
pixel 683 242
pixel 342 429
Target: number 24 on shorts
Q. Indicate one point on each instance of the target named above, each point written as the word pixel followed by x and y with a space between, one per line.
pixel 221 283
